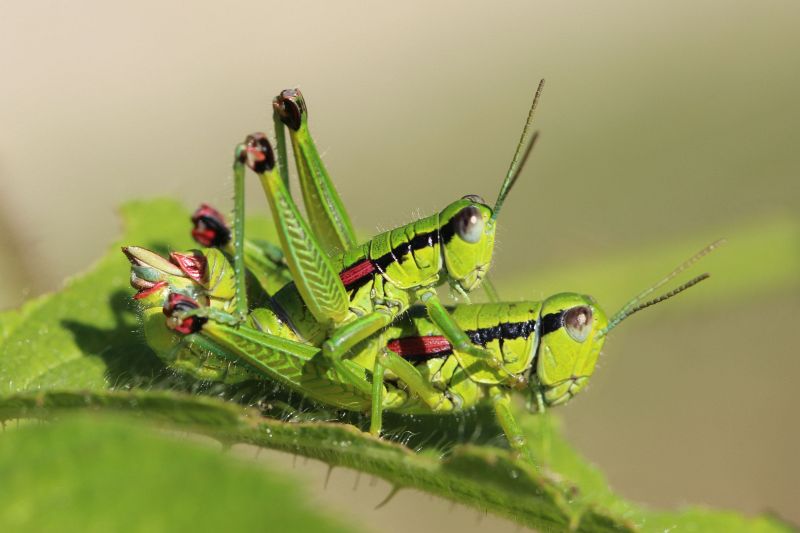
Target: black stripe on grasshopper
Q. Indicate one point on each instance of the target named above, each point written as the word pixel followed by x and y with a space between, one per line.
pixel 437 346
pixel 552 321
pixel 387 273
pixel 360 273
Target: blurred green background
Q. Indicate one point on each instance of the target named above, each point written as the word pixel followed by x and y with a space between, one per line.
pixel 664 126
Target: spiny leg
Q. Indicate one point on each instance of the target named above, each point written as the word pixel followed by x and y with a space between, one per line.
pixel 280 145
pixel 314 276
pixel 326 212
pixel 313 273
pixel 210 230
pixel 238 232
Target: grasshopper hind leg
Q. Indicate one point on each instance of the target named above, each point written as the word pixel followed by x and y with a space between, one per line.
pixel 313 273
pixel 326 213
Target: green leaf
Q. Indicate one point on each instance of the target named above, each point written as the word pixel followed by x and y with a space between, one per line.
pixel 85 336
pixel 65 352
pixel 564 493
pixel 96 474
pixel 483 477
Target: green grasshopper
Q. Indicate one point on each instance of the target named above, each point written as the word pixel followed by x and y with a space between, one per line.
pixel 358 292
pixel 205 299
pixel 551 346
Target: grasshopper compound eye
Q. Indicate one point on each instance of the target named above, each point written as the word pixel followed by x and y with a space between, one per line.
pixel 578 322
pixel 210 229
pixel 178 304
pixel 258 154
pixel 290 107
pixel 469 224
pixel 474 198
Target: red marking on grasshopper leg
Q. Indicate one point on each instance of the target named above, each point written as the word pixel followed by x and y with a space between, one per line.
pixel 190 324
pixel 210 228
pixel 356 272
pixel 193 265
pixel 414 347
pixel 144 293
pixel 259 155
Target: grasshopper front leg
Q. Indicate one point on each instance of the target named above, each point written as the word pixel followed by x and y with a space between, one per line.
pixel 501 401
pixel 457 337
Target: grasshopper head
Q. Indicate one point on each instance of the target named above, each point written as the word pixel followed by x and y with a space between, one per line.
pixel 569 345
pixel 467 234
pixel 573 329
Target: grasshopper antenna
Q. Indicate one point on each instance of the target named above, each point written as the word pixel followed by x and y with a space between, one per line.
pixel 635 304
pixel 524 147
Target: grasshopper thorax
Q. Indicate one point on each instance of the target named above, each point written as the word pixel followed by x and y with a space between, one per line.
pixel 569 345
pixel 467 236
